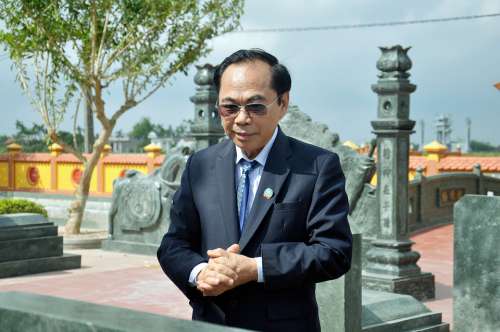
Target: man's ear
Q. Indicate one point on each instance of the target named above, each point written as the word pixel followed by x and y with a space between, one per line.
pixel 285 99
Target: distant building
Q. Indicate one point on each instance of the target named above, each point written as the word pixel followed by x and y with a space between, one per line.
pixel 166 143
pixel 123 144
pixel 443 130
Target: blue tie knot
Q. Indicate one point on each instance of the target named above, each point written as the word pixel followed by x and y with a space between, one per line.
pixel 247 166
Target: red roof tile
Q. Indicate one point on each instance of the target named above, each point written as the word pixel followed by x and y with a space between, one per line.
pixel 33 157
pixel 126 158
pixel 418 161
pixel 466 163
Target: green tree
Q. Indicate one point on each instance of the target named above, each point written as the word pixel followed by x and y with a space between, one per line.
pixel 32 139
pixel 478 146
pixel 3 142
pixel 141 130
pixel 65 50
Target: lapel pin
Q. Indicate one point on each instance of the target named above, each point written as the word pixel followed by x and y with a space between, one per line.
pixel 268 193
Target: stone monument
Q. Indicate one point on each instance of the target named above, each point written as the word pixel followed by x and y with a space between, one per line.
pixel 476 270
pixel 391 263
pixel 29 244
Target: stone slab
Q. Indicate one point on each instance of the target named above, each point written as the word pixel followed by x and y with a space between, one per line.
pixel 476 273
pixel 31 312
pixel 130 247
pixel 39 265
pixel 25 232
pixel 47 246
pixel 339 300
pixel 389 312
pixel 21 219
pixel 421 286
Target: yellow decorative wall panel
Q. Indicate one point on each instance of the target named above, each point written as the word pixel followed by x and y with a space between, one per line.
pixel 4 174
pixel 32 175
pixel 113 171
pixel 65 177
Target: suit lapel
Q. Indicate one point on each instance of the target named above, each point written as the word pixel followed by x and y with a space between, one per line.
pixel 225 170
pixel 273 176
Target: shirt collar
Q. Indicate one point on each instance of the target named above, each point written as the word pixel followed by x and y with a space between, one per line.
pixel 262 156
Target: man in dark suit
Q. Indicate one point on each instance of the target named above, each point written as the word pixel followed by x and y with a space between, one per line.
pixel 260 218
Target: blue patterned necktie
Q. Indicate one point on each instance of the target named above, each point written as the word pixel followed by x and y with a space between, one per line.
pixel 243 189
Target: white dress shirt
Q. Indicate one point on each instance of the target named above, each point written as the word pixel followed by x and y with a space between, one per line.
pixel 254 180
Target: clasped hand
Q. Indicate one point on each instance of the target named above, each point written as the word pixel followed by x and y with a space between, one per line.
pixel 226 269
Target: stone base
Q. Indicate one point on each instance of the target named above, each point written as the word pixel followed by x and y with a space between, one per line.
pixel 130 247
pixel 387 312
pixel 32 312
pixel 39 265
pixel 420 286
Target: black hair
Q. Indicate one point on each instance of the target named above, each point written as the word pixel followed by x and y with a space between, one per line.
pixel 281 81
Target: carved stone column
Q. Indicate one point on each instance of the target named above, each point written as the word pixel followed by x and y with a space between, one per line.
pixel 391 263
pixel 206 128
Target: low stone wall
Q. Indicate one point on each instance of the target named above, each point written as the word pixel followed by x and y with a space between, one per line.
pixel 30 312
pixel 96 211
pixel 431 199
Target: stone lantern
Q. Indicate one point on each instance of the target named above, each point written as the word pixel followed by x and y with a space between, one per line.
pixel 391 263
pixel 206 128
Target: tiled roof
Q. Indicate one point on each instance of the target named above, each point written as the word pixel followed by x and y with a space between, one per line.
pixel 159 160
pixel 33 157
pixel 129 158
pixel 418 161
pixel 466 163
pixel 69 158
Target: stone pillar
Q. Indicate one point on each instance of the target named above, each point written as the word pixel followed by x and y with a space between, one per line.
pixel 391 263
pixel 206 128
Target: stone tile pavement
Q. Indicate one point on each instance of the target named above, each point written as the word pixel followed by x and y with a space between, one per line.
pixel 436 249
pixel 137 282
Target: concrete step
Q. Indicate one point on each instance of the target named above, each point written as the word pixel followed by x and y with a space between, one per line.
pixel 47 246
pixel 39 265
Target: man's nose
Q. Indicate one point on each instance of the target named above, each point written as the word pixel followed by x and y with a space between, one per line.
pixel 242 117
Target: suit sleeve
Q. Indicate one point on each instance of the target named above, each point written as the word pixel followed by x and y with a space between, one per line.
pixel 179 251
pixel 327 252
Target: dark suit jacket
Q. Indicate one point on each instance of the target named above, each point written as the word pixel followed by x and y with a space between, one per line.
pixel 301 233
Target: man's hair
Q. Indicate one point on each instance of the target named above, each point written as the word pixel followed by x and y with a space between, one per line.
pixel 281 81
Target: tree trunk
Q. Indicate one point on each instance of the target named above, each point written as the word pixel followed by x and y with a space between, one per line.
pixel 89 125
pixel 77 207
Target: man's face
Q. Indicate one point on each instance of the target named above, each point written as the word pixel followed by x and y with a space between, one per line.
pixel 250 83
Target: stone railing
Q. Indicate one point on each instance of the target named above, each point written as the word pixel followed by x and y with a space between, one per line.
pixel 431 198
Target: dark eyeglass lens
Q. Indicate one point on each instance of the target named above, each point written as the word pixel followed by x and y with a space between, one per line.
pixel 256 109
pixel 228 110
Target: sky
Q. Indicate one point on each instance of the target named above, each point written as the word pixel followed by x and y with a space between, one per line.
pixel 455 65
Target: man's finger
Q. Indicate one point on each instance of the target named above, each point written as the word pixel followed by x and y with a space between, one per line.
pixel 219 280
pixel 234 248
pixel 219 252
pixel 227 261
pixel 204 287
pixel 222 269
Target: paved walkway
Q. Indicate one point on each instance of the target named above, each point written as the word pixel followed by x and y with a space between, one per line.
pixel 137 282
pixel 436 250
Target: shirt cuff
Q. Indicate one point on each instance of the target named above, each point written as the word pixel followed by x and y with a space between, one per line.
pixel 260 269
pixel 193 276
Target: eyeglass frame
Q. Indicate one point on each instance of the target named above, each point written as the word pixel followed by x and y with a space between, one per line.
pixel 243 107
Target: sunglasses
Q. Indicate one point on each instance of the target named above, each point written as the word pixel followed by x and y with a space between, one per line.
pixel 253 109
